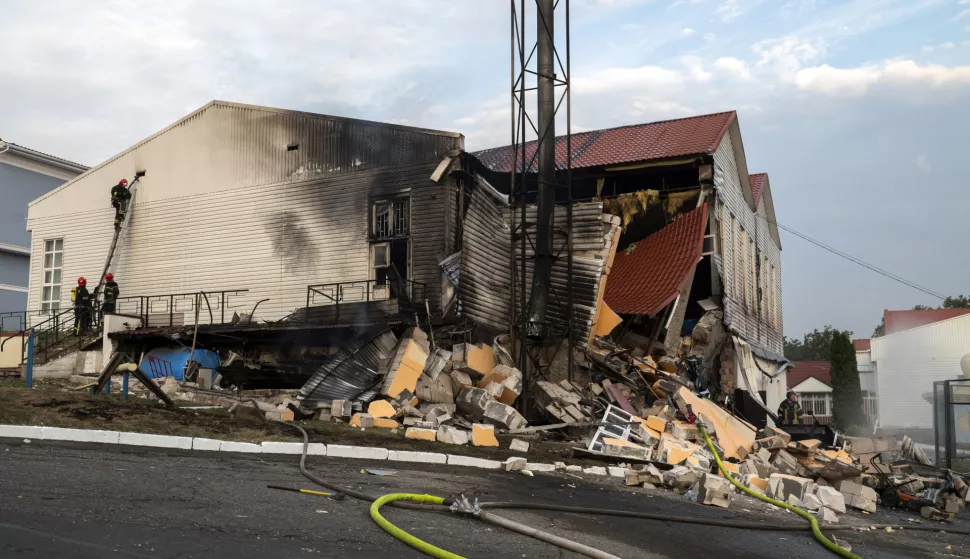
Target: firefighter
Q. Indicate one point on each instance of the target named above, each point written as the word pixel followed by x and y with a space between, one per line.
pixel 120 195
pixel 790 411
pixel 82 306
pixel 111 293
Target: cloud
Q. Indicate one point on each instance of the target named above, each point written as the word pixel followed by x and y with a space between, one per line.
pixel 924 163
pixel 856 82
pixel 732 9
pixel 942 46
pixel 732 68
pixel 785 56
pixel 687 32
pixel 961 15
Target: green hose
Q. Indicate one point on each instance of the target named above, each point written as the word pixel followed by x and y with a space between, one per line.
pixel 420 545
pixel 815 529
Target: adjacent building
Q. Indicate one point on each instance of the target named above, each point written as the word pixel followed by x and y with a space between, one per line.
pixel 26 174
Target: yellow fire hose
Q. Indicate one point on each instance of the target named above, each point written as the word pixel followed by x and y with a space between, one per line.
pixel 815 528
pixel 416 543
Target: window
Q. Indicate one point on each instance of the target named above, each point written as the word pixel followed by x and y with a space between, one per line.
pixel 739 271
pixel 819 403
pixel 51 291
pixel 727 226
pixel 382 255
pixel 391 218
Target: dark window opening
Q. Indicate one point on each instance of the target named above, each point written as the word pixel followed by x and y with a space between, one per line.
pixel 292 147
pixel 391 219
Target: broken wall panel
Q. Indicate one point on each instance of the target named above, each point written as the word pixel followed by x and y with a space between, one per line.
pixel 486 279
pixel 351 374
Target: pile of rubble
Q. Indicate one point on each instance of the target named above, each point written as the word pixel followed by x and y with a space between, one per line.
pixel 455 397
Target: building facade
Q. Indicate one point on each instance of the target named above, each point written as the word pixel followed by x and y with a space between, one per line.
pixel 257 200
pixel 25 174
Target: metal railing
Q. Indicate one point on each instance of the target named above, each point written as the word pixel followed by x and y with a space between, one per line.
pixel 53 335
pixel 406 293
pixel 178 309
pixel 951 416
pixel 19 321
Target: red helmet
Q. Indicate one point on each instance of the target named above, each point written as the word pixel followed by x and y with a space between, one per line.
pixel 82 281
pixel 123 182
pixel 109 277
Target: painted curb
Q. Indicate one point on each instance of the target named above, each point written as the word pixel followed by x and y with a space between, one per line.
pixel 273 447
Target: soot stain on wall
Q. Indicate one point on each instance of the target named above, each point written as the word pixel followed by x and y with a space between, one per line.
pixel 292 243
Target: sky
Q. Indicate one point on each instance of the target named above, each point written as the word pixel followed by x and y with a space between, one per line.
pixel 859 110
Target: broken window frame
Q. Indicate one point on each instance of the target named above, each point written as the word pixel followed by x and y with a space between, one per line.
pixel 390 218
pixel 52 275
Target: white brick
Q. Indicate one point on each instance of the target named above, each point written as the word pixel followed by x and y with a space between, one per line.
pixel 617 472
pixel 21 431
pixel 595 471
pixel 200 443
pixel 365 452
pixel 540 467
pixel 316 449
pixel 270 447
pixel 411 456
pixel 158 441
pixel 80 435
pixel 234 446
pixel 457 460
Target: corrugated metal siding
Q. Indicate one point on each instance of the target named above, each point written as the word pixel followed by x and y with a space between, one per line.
pixel 225 146
pixel 351 374
pixel 728 185
pixel 909 362
pixel 485 286
pixel 273 240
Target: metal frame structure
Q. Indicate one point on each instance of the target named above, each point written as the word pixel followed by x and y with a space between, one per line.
pixel 951 402
pixel 532 331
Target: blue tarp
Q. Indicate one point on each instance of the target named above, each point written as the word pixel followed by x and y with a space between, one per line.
pixel 170 362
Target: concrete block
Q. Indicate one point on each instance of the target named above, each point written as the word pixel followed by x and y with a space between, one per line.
pixel 685 431
pixel 80 435
pixel 657 424
pixel 932 513
pixel 472 401
pixel 616 471
pixel 633 478
pixel 595 471
pixel 234 446
pixel 714 490
pixel 21 431
pixel 535 467
pixel 514 464
pixel 650 437
pixel 785 463
pixel 518 445
pixel 460 380
pixel 794 501
pixel 574 469
pixel 770 431
pixel 158 441
pixel 619 447
pixel 764 454
pixel 423 457
pixel 452 435
pixel 756 483
pixel 680 478
pixel 827 516
pixel 503 416
pixel 650 474
pixel 199 443
pixel 271 447
pixel 419 434
pixel 811 502
pixel 780 486
pixel 458 460
pixel 858 496
pixel 831 498
pixel 770 443
pixel 362 452
pixel 341 408
pixel 484 435
pixel 382 408
pixel 362 420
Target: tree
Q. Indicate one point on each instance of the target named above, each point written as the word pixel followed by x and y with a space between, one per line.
pixel 846 390
pixel 814 346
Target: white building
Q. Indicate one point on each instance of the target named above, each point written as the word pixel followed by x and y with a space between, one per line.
pixel 908 362
pixel 239 197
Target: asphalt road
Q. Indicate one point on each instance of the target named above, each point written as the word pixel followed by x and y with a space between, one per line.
pixel 86 501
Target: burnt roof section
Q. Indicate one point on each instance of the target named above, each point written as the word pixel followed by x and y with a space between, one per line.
pixel 647 277
pixel 626 144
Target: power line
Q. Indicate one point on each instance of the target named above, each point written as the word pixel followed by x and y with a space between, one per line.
pixel 855 260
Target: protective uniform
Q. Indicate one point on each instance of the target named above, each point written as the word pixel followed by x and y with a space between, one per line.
pixel 790 412
pixel 120 195
pixel 82 306
pixel 111 293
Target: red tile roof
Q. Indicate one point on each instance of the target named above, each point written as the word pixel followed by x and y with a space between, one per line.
pixel 803 370
pixel 758 182
pixel 897 321
pixel 862 345
pixel 626 144
pixel 647 278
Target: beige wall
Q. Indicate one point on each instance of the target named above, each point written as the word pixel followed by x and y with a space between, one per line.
pixel 10 354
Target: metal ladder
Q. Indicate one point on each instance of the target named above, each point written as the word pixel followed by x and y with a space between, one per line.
pixel 119 234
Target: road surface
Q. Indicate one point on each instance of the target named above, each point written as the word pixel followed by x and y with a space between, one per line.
pixel 87 501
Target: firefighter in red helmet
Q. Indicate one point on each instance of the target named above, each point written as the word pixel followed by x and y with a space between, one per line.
pixel 111 293
pixel 82 306
pixel 120 195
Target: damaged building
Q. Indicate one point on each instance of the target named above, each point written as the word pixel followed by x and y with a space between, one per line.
pixel 696 268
